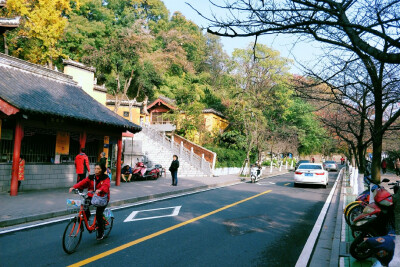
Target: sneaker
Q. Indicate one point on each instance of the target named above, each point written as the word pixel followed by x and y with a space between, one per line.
pixel 100 236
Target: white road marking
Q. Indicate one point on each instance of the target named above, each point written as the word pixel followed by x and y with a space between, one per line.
pixel 131 217
pixel 29 225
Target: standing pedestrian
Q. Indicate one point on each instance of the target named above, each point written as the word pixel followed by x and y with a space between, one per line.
pixel 21 170
pixel 397 166
pixel 81 165
pixel 174 170
pixel 342 160
pixel 313 160
pixel 103 159
pixel 384 166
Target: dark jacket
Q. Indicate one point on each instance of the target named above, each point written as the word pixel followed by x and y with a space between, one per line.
pixel 102 183
pixel 82 163
pixel 103 161
pixel 174 166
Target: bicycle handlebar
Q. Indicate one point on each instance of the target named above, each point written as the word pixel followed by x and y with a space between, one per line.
pixel 76 191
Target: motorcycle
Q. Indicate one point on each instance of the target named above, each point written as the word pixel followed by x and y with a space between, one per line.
pixel 377 220
pixel 255 173
pixel 142 172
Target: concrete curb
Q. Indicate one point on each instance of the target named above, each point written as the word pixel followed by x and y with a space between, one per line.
pixel 49 215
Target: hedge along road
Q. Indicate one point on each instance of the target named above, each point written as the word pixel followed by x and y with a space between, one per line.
pixel 247 224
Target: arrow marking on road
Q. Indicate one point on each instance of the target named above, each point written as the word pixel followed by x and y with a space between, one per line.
pixel 131 217
pixel 161 232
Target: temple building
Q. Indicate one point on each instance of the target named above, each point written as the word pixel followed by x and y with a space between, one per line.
pixel 46 117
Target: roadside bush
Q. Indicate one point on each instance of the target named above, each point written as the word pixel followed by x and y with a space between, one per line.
pixel 228 157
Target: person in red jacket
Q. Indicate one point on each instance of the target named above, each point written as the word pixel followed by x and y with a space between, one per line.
pixel 102 189
pixel 81 165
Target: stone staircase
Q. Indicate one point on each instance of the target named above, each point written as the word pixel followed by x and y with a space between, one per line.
pixel 159 149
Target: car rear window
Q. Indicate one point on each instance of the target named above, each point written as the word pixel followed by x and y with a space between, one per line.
pixel 303 161
pixel 310 167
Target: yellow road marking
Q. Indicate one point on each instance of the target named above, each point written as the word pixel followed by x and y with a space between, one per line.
pixel 286 184
pixel 166 230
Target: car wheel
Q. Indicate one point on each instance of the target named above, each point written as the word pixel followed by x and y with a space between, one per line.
pixel 324 186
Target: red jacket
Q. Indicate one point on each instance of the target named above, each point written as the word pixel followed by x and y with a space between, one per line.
pixel 82 161
pixel 102 184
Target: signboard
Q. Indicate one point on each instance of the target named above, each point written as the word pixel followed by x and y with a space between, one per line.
pixel 62 143
pixel 106 146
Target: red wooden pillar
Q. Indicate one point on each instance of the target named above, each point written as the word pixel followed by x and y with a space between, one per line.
pixel 19 134
pixel 119 158
pixel 82 140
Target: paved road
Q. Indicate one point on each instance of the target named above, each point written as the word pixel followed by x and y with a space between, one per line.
pixel 269 228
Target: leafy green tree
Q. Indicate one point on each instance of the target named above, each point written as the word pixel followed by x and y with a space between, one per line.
pixel 43 25
pixel 259 75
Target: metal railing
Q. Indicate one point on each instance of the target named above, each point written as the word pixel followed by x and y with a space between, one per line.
pixel 188 155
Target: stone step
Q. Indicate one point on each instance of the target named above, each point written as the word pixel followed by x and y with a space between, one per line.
pixel 161 154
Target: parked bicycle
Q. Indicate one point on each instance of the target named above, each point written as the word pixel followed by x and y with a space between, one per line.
pixel 73 232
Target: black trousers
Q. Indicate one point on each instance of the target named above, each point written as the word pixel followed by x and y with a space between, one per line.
pixel 174 175
pixel 99 216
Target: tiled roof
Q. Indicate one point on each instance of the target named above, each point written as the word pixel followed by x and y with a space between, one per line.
pixel 35 89
pixel 111 101
pixel 9 22
pixel 167 100
pixel 213 111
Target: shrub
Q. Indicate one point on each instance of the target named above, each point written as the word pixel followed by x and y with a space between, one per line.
pixel 228 157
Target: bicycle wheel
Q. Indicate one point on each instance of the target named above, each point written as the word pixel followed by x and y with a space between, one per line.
pixel 108 227
pixel 72 236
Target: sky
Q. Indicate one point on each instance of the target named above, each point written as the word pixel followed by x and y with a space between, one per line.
pixel 288 45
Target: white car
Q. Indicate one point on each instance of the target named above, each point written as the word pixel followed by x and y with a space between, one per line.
pixel 311 173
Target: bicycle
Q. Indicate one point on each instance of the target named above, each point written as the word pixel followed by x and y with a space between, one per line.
pixel 73 231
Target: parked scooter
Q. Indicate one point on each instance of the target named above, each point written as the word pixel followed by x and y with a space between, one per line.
pixel 355 208
pixel 141 171
pixel 377 220
pixel 255 173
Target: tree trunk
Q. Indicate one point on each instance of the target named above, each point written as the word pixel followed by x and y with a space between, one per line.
pixel 360 157
pixel 376 158
pixel 377 136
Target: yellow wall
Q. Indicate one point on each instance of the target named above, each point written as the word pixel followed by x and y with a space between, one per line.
pixel 214 122
pixel 135 113
pixel 85 79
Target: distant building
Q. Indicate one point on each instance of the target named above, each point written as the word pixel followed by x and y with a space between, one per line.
pixel 214 121
pixel 157 109
pixel 134 114
pixel 7 24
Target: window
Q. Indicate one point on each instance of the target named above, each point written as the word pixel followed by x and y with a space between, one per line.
pixel 126 113
pixel 158 118
pixel 310 167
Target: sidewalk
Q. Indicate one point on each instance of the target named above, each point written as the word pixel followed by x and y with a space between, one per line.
pixel 44 204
